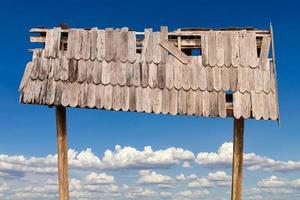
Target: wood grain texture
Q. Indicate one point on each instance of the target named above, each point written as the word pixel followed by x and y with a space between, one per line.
pixel 175 52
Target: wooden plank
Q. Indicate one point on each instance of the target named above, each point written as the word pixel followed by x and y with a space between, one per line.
pixel 44 68
pixel 52 43
pixel 182 102
pixel 97 71
pixel 156 48
pixel 166 93
pixel 91 95
pixel 78 43
pixel 235 51
pixel 227 48
pixel 55 65
pixel 62 152
pixel 116 45
pixel 131 46
pixel 74 94
pixel 71 43
pixel 244 48
pixel 146 43
pixel 86 45
pixel 132 98
pixel 109 44
pixel 256 102
pixel 202 79
pixel 243 79
pixel 253 58
pixel 93 40
pixel 144 74
pixel 113 72
pixel 210 78
pixel 116 98
pixel 173 101
pixel 186 76
pixel 108 90
pixel 82 70
pixel 89 71
pixel 152 75
pixel 150 47
pixel 50 92
pixel 199 102
pixel 105 76
pixel 212 48
pixel 124 45
pixel 129 74
pixel 233 78
pixel 156 100
pixel 161 75
pixel 191 102
pixel 225 78
pixel 217 78
pixel 205 103
pixel 237 105
pixel 178 73
pixel 163 36
pixel 204 48
pixel 99 93
pixel 64 68
pixel 125 98
pixel 58 93
pixel 139 99
pixel 121 73
pixel 222 104
pixel 246 105
pixel 194 73
pixel 170 73
pixel 237 161
pixel 73 70
pixel 147 93
pixel 266 76
pixel 213 104
pixel 220 39
pixel 101 46
pixel 265 106
pixel 175 52
pixel 137 71
pixel 82 101
pixel 264 51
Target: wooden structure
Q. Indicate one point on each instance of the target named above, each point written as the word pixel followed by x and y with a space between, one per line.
pixel 190 71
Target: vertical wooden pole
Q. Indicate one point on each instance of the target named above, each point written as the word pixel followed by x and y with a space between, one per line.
pixel 62 148
pixel 237 164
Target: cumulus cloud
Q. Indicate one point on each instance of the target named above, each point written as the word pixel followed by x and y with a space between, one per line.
pixel 151 177
pixel 188 194
pixel 223 158
pixel 99 179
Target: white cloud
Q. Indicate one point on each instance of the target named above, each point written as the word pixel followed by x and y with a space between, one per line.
pixel 223 158
pixel 188 194
pixel 151 177
pixel 186 164
pixel 99 179
pixel 275 182
pixel 200 183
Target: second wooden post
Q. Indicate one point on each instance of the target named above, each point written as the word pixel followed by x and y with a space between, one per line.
pixel 62 152
pixel 237 163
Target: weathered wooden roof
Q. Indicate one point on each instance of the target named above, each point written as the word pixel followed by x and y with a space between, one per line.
pixel 148 71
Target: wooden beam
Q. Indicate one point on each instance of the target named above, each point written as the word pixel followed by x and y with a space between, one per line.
pixel 237 163
pixel 62 148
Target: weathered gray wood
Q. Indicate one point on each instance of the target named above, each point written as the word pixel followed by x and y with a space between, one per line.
pixel 253 58
pixel 175 52
pixel 82 100
pixel 116 98
pixel 145 74
pixel 101 46
pixel 166 105
pixel 202 78
pixel 73 70
pixel 182 102
pixel 71 43
pixel 178 73
pixel 124 45
pixel 227 48
pixel 52 43
pixel 132 98
pixel 220 39
pixel 161 75
pixel 235 51
pixel 58 93
pixel 173 101
pixel 97 72
pixel 264 51
pixel 147 92
pixel 163 36
pixel 156 100
pixel 191 102
pixel 66 94
pixel 106 70
pixel 139 99
pixel 205 103
pixel 233 78
pixel 170 73
pixel 217 78
pixel 150 47
pixel 237 105
pixel 204 48
pixel 82 70
pixel 108 90
pixel 137 71
pixel 86 45
pixel 125 98
pixel 113 72
pixel 121 73
pixel 244 48
pixel 116 45
pixel 93 40
pixel 64 67
pixel 222 104
pixel 99 93
pixel 212 48
pixel 78 43
pixel 186 76
pixel 266 77
pixel 199 102
pixel 131 46
pixel 152 75
pixel 109 44
pixel 246 105
pixel 129 74
pixel 210 78
pixel 74 94
pixel 237 163
pixel 225 78
pixel 62 153
pixel 265 106
pixel 146 43
pixel 156 48
pixel 194 73
pixel 213 104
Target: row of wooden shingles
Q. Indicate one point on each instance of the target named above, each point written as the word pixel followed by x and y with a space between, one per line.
pixel 172 74
pixel 234 48
pixel 109 44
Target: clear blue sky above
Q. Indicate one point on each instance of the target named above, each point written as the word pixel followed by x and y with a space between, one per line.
pixel 30 130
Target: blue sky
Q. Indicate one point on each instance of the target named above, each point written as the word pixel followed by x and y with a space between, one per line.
pixel 30 130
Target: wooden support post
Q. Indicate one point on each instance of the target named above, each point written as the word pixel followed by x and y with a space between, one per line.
pixel 237 163
pixel 62 148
